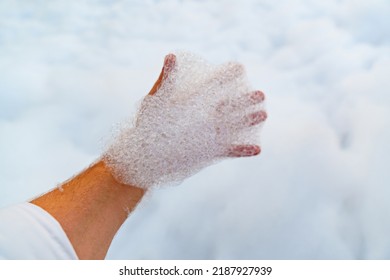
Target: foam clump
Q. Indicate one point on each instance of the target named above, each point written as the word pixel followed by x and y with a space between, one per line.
pixel 201 114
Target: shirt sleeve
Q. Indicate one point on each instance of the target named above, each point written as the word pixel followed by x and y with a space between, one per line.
pixel 29 232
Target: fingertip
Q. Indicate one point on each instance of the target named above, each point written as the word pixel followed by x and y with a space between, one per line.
pixel 263 115
pixel 228 72
pixel 233 70
pixel 258 117
pixel 244 151
pixel 169 62
pixel 235 67
pixel 257 96
pixel 169 56
pixel 257 150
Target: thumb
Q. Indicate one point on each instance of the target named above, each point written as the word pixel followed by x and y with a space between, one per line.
pixel 169 65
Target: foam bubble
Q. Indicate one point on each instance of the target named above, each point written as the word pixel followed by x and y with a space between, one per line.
pixel 200 112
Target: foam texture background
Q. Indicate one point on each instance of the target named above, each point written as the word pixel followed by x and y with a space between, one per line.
pixel 196 118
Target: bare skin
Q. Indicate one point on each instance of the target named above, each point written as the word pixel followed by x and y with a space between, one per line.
pixel 92 206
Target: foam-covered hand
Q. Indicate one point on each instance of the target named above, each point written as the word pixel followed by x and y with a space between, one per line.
pixel 195 115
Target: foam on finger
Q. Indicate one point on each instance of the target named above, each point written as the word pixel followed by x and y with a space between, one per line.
pixel 185 126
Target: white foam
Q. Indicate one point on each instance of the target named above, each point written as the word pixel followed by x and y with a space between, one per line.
pixel 192 121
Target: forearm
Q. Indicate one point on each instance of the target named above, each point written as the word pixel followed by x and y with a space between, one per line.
pixel 91 207
pixel 195 115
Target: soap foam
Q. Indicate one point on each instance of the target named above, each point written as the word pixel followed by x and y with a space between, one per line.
pixel 192 121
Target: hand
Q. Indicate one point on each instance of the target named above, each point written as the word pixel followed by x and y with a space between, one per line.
pixel 195 115
pixel 252 98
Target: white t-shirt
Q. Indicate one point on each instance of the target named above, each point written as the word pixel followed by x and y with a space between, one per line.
pixel 29 232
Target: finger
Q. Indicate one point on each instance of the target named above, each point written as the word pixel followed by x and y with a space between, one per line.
pixel 250 119
pixel 227 72
pixel 256 97
pixel 169 65
pixel 243 151
pixel 242 102
pixel 255 118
